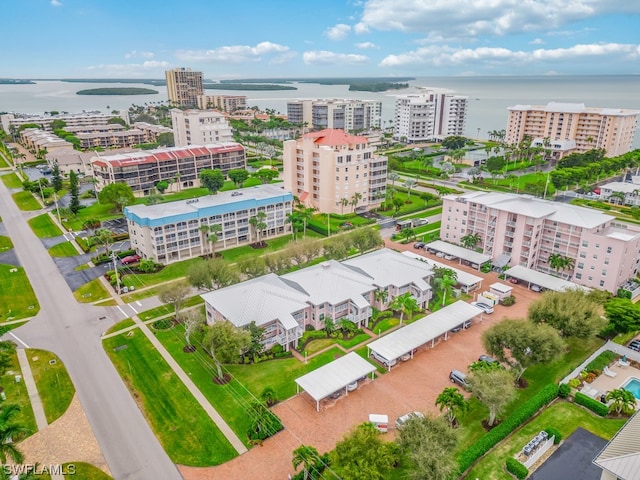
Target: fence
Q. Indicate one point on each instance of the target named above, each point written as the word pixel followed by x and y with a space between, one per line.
pixel 541 450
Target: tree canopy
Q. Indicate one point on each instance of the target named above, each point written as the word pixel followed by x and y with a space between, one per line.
pixel 238 176
pixel 225 343
pixel 119 194
pixel 266 175
pixel 212 274
pixel 212 180
pixel 494 388
pixel 623 314
pixel 454 142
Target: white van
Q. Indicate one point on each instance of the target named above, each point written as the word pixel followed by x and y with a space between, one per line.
pixel 384 361
pixel 381 422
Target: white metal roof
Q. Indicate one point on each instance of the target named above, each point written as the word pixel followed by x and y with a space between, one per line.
pixel 416 334
pixel 621 456
pixel 501 287
pixel 323 381
pixel 542 279
pixel 460 252
pixel 463 278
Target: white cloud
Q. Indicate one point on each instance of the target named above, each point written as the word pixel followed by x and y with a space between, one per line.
pixel 449 56
pixel 338 32
pixel 323 57
pixel 536 41
pixel 360 28
pixel 497 17
pixel 135 54
pixel 233 53
pixel 365 45
pixel 131 69
pixel 56 3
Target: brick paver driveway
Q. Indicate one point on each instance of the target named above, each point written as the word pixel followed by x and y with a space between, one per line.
pixel 410 386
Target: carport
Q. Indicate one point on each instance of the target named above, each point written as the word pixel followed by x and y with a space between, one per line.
pixel 544 280
pixel 333 376
pixel 467 281
pixel 474 258
pixel 405 340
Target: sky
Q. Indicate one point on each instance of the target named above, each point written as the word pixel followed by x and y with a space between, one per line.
pixel 331 38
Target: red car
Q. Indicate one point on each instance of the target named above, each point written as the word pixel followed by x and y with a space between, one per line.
pixel 130 259
pixel 513 280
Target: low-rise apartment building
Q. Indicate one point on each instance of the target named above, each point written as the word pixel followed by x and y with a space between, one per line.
pixel 429 116
pixel 35 139
pixel 171 232
pixel 329 169
pixel 524 230
pixel 12 121
pixel 348 115
pixel 225 103
pixel 180 166
pixel 564 128
pixel 152 131
pixel 285 305
pixel 199 127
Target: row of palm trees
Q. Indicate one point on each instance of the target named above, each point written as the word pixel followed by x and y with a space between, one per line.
pixel 560 263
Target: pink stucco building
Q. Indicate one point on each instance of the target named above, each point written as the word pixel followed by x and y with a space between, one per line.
pixel 524 230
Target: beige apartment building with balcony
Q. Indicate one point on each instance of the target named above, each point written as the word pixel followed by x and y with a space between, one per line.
pixel 329 168
pixel 225 103
pixel 346 114
pixel 527 231
pixel 184 87
pixel 566 128
pixel 199 127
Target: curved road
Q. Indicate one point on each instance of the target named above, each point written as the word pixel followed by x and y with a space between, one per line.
pixel 72 331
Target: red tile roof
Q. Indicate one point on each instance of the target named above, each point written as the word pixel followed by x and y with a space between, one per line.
pixel 334 136
pixel 160 155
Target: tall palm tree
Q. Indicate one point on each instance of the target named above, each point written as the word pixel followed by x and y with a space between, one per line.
pixel 381 296
pixel 10 433
pixel 451 400
pixel 443 279
pixel 306 215
pixel 404 304
pixel 409 184
pixel 343 203
pixel 393 176
pixel 470 240
pixel 355 199
pixel 306 456
pixel 618 196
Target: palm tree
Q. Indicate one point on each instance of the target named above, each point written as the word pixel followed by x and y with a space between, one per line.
pixel 409 184
pixel 404 304
pixel 618 196
pixel 556 261
pixel 470 240
pixel 213 236
pixel 294 219
pixel 258 223
pixel 454 403
pixel 355 199
pixel 343 203
pixel 10 433
pixel 443 279
pixel 393 176
pixel 306 215
pixel 306 456
pixel 622 401
pixel 268 396
pixel 178 177
pixel 457 155
pixel 381 296
pixel 104 236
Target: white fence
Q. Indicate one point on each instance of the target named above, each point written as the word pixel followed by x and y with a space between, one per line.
pixel 541 450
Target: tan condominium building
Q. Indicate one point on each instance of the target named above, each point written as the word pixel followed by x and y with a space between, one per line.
pixel 225 103
pixel 170 232
pixel 179 166
pixel 12 121
pixel 429 116
pixel 348 115
pixel 184 87
pixel 335 172
pixel 199 127
pixel 565 128
pixel 527 231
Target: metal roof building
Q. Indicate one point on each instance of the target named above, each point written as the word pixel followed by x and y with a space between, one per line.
pixel 620 459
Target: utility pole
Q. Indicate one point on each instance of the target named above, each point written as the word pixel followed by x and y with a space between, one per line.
pixel 55 199
pixel 115 269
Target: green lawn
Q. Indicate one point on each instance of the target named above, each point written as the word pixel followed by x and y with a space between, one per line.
pixel 415 204
pixel 43 226
pixel 12 180
pixel 185 431
pixel 318 344
pixel 353 341
pixel 127 322
pixel 17 393
pixel 64 249
pixel 91 292
pixel 562 415
pixel 231 400
pixel 26 201
pixel 519 184
pixel 273 245
pixel 170 272
pixel 430 212
pixel 385 324
pixel 16 294
pixel 84 471
pixel 97 211
pixel 3 162
pixel 5 244
pixel 52 381
pixel 168 309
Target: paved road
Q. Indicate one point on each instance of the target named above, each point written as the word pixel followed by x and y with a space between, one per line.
pixel 72 331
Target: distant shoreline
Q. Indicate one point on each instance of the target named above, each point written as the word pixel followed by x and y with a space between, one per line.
pixel 117 91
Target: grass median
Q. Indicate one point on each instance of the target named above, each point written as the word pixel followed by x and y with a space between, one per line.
pixel 184 429
pixel 43 226
pixel 16 393
pixel 26 201
pixel 64 249
pixel 5 244
pixel 91 292
pixel 12 180
pixel 54 385
pixel 17 299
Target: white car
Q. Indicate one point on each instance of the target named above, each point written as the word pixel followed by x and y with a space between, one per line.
pixel 488 309
pixel 408 416
pixel 352 386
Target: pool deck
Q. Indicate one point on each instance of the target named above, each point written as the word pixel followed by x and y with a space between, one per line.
pixel 605 383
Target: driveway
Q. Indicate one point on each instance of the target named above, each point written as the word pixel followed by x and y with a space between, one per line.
pixel 573 458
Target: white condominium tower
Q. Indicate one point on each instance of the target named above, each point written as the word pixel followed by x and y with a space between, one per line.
pixel 347 115
pixel 429 116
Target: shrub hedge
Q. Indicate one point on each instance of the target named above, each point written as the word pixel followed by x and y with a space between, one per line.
pixel 564 390
pixel 523 413
pixel 517 468
pixel 551 431
pixel 594 405
pixel 601 361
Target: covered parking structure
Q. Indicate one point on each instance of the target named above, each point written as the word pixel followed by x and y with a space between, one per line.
pixel 334 376
pixel 467 281
pixel 544 280
pixel 475 259
pixel 407 339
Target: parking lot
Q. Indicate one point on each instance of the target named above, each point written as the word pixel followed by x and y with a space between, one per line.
pixel 410 386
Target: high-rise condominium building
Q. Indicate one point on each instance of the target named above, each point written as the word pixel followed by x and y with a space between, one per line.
pixel 199 127
pixel 527 231
pixel 334 172
pixel 565 128
pixel 429 116
pixel 226 103
pixel 348 115
pixel 183 87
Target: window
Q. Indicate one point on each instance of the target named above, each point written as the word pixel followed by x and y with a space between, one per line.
pixel 578 276
pixel 608 249
pixel 583 255
pixel 581 265
pixel 590 279
pixel 604 273
pixel 597 245
pixel 606 261
pixel 585 243
pixel 602 283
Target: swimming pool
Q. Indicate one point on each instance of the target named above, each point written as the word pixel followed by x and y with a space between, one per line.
pixel 633 385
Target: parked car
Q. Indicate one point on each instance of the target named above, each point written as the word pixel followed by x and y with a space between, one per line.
pixel 634 345
pixel 130 259
pixel 488 309
pixel 384 361
pixel 456 376
pixel 408 416
pixel 431 250
pixel 450 257
pixel 352 386
pixel 464 325
pixel 439 254
pixel 335 395
pixel 487 358
pixel 419 245
pixel 513 280
pixel 536 288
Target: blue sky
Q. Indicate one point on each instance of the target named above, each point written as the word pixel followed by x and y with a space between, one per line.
pixel 332 38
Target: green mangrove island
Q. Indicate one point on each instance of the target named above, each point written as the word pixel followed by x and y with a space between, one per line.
pixel 117 91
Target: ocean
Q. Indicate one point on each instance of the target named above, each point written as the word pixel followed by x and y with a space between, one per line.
pixel 489 97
